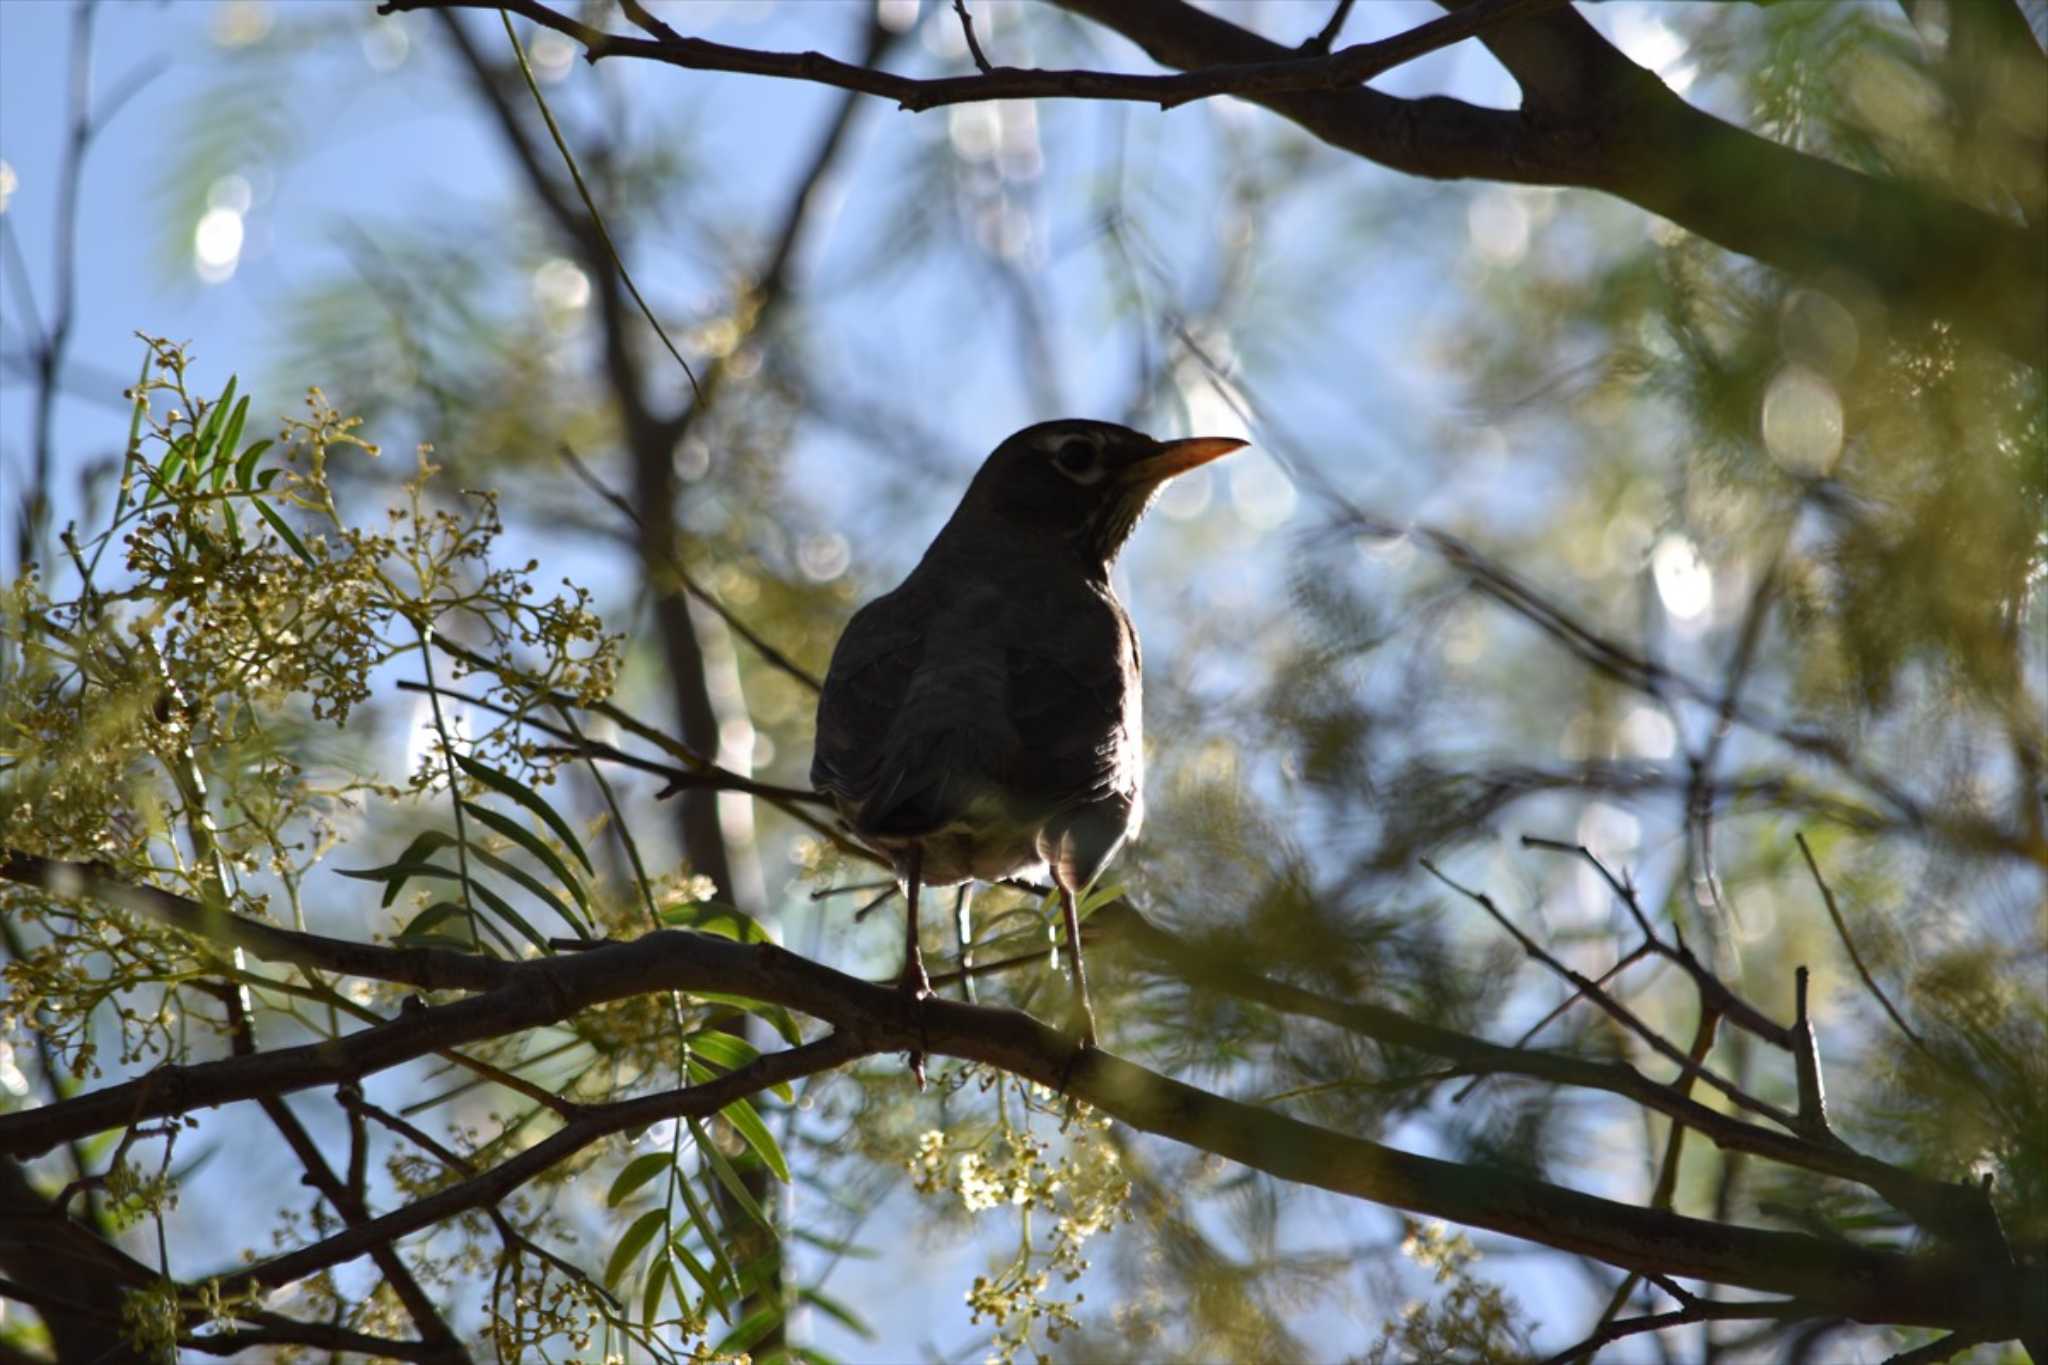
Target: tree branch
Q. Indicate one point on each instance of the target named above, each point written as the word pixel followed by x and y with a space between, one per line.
pixel 1835 1277
pixel 1274 72
pixel 1623 131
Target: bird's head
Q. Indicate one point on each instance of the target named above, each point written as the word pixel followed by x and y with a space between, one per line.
pixel 1081 481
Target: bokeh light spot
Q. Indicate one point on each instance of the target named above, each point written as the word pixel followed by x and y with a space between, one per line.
pixel 1498 226
pixel 217 245
pixel 1684 582
pixel 1802 421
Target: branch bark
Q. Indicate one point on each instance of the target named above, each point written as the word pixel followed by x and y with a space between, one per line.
pixel 1836 1277
pixel 1591 119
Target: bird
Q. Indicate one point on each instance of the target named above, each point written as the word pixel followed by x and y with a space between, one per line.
pixel 983 720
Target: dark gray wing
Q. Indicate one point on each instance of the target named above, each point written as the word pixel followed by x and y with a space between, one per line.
pixel 1075 701
pixel 870 675
pixel 913 728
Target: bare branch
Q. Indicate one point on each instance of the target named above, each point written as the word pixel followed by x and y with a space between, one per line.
pixel 1614 1009
pixel 1282 73
pixel 1842 931
pixel 1322 40
pixel 1715 994
pixel 973 44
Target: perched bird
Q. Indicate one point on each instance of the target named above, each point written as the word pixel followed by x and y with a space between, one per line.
pixel 982 721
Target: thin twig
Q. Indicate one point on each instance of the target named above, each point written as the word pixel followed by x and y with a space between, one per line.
pixel 1813 1099
pixel 583 190
pixel 1827 895
pixel 1557 1011
pixel 690 584
pixel 1322 41
pixel 1714 992
pixel 1620 1013
pixel 973 45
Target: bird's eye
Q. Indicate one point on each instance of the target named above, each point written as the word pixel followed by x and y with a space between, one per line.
pixel 1076 459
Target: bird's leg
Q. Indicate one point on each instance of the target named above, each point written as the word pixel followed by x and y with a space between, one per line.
pixel 963 928
pixel 1082 1019
pixel 914 982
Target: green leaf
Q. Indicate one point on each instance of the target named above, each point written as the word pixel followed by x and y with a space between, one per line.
pixel 778 1018
pixel 1097 898
pixel 713 917
pixel 633 1243
pixel 506 787
pixel 638 1172
pixel 414 862
pixel 533 844
pixel 230 434
pixel 165 476
pixel 722 1168
pixel 277 524
pixel 439 923
pixel 245 468
pixel 658 1278
pixel 502 908
pixel 730 1053
pixel 702 1275
pixel 752 1328
pixel 702 1219
pixel 203 439
pixel 837 1311
pixel 746 1120
pixel 538 888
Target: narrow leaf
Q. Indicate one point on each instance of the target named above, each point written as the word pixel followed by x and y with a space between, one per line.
pixel 203 441
pixel 245 468
pixel 712 1243
pixel 729 1053
pixel 756 1325
pixel 277 524
pixel 630 1246
pixel 638 1172
pixel 502 908
pixel 533 844
pixel 778 1018
pixel 837 1311
pixel 223 460
pixel 658 1279
pixel 722 1169
pixel 746 1121
pixel 702 1275
pixel 506 787
pixel 533 884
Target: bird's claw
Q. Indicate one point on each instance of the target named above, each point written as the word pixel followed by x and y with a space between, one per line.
pixel 1081 1023
pixel 918 987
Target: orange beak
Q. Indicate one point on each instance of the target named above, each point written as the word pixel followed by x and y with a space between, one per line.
pixel 1178 457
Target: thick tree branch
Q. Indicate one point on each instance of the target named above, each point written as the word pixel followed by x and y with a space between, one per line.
pixel 1837 1278
pixel 525 994
pixel 1279 71
pixel 493 1185
pixel 1595 120
pixel 1591 119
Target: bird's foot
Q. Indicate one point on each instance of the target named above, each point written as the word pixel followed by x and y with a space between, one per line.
pixel 918 987
pixel 1081 1024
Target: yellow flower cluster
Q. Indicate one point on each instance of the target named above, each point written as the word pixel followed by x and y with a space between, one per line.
pixel 1084 1191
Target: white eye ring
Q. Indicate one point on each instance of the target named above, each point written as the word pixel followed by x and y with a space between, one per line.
pixel 1079 460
